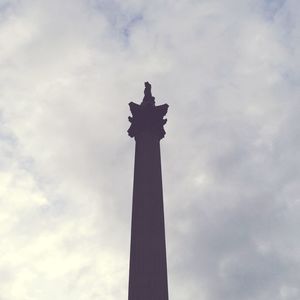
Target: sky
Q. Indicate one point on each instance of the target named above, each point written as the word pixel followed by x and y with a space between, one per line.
pixel 230 72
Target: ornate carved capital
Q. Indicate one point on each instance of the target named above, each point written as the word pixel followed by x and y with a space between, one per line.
pixel 146 117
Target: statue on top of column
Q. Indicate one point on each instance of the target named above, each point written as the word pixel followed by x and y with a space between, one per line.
pixel 146 117
pixel 148 98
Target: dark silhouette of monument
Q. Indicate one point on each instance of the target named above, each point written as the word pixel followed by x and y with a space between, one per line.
pixel 148 265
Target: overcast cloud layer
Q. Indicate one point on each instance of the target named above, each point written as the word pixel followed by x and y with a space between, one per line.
pixel 229 69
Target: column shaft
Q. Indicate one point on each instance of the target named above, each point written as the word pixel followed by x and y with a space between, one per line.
pixel 148 267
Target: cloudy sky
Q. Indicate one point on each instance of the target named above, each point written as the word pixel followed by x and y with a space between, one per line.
pixel 229 69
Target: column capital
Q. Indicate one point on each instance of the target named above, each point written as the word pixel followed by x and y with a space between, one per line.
pixel 147 117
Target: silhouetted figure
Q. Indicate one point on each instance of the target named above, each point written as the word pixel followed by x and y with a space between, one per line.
pixel 148 98
pixel 148 266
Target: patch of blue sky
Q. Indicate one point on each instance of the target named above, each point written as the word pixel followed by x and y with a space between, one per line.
pixel 272 7
pixel 6 7
pixel 291 77
pixel 9 149
pixel 120 19
pixel 135 20
pixel 5 135
pixel 110 9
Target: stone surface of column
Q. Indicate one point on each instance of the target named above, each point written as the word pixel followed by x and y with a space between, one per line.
pixel 148 264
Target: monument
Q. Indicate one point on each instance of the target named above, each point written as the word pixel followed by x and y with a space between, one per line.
pixel 148 264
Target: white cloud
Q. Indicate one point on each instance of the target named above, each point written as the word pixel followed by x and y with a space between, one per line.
pixel 229 71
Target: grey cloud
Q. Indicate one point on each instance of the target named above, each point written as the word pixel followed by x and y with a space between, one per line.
pixel 230 160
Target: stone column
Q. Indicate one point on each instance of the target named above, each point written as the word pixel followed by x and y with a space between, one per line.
pixel 148 266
